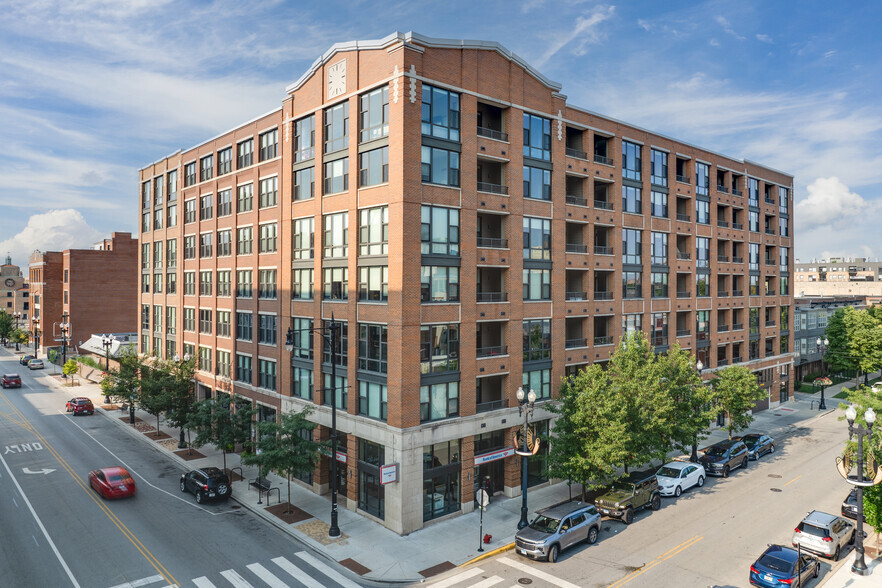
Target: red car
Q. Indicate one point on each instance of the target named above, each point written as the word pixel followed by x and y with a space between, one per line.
pixel 11 381
pixel 115 482
pixel 80 405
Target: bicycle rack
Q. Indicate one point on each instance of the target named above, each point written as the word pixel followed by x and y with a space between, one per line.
pixel 279 495
pixel 231 470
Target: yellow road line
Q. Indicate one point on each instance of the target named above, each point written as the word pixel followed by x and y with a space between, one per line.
pixel 666 555
pixel 791 481
pixel 151 559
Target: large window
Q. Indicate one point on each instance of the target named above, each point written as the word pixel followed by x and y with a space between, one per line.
pixel 243 369
pixel 269 192
pixel 440 113
pixel 337 127
pixel 266 284
pixel 340 387
pixel 702 252
pixel 304 238
pixel 267 329
pixel 205 321
pixel 631 160
pixel 372 348
pixel 269 145
pixel 539 381
pixel 754 260
pixel 537 339
pixel 336 235
pixel 373 167
pixel 439 231
pixel 702 212
pixel 537 183
pixel 371 494
pixel 304 183
pixel 537 137
pixel 632 285
pixel 206 168
pixel 301 382
pixel 190 174
pixel 373 114
pixel 223 323
pixel 205 281
pixel 373 231
pixel 225 202
pixel 336 176
pixel 205 245
pixel 537 238
pixel 244 240
pixel 442 472
pixel 336 283
pixel 205 207
pixel 189 320
pixel 245 198
pixel 439 401
pixel 632 323
pixel 753 192
pixel 537 284
pixel 632 199
pixel 268 238
pixel 658 328
pixel 659 248
pixel 659 169
pixel 244 283
pixel 224 242
pixel 266 374
pixel 224 161
pixel 244 326
pixel 190 211
pixel 245 153
pixel 372 400
pixel 440 166
pixel 659 284
pixel 189 283
pixel 304 138
pixel 439 284
pixel 373 283
pixel 702 178
pixel 302 283
pixel 439 349
pixel 632 248
pixel 172 185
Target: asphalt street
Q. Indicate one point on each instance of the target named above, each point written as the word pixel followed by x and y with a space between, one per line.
pixel 708 537
pixel 59 532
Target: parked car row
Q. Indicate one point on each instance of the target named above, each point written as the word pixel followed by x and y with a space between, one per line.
pixel 557 528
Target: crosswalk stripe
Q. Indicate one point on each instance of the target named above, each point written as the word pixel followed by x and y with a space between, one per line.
pixel 446 582
pixel 538 573
pixel 297 573
pixel 327 570
pixel 203 582
pixel 235 579
pixel 492 580
pixel 141 582
pixel 267 576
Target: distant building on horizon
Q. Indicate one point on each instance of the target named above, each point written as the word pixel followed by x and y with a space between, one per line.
pixel 94 290
pixel 840 276
pixel 14 295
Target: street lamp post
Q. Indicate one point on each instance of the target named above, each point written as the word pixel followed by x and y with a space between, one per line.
pixel 859 566
pixel 65 333
pixel 107 343
pixel 17 317
pixel 822 348
pixel 333 326
pixel 694 457
pixel 36 337
pixel 181 443
pixel 526 402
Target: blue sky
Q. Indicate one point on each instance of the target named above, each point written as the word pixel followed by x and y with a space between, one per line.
pixel 93 90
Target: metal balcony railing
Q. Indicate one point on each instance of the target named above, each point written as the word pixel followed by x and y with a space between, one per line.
pixel 491 297
pixel 604 340
pixel 603 205
pixel 598 295
pixel 577 295
pixel 573 343
pixel 576 153
pixel 492 134
pixel 576 248
pixel 492 351
pixel 603 159
pixel 577 200
pixel 492 243
pixel 492 188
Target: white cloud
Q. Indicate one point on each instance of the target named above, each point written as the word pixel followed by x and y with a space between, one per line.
pixel 724 22
pixel 713 43
pixel 764 38
pixel 55 230
pixel 830 204
pixel 584 32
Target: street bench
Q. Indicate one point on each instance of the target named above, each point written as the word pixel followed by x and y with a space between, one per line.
pixel 262 484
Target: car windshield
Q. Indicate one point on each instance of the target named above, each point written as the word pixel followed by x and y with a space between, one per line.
pixel 668 472
pixel 545 524
pixel 776 563
pixel 750 441
pixel 812 530
pixel 119 478
pixel 623 487
pixel 715 450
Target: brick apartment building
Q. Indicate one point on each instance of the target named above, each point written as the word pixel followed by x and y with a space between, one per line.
pixel 495 236
pixel 840 277
pixel 96 289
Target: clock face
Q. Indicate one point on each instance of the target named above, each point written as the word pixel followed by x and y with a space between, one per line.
pixel 337 79
pixel 10 282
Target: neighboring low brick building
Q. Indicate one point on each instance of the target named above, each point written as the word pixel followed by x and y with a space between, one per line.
pixel 95 289
pixel 495 236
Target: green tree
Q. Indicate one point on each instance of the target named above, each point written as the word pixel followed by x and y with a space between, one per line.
pixel 588 437
pixel 693 401
pixel 181 410
pixel 124 382
pixel 855 341
pixel 70 368
pixel 19 337
pixel 7 324
pixel 736 392
pixel 157 383
pixel 215 422
pixel 286 446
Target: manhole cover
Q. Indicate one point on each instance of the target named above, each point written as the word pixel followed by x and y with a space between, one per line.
pixel 774 476
pixel 235 506
pixel 525 581
pixel 775 489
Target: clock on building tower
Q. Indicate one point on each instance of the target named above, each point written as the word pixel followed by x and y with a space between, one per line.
pixel 337 79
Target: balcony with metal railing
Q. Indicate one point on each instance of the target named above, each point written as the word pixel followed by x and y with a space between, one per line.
pixel 492 243
pixel 602 250
pixel 492 134
pixel 602 295
pixel 603 204
pixel 575 343
pixel 576 248
pixel 575 296
pixel 577 153
pixel 602 159
pixel 576 200
pixel 492 188
pixel 603 340
pixel 491 297
pixel 492 351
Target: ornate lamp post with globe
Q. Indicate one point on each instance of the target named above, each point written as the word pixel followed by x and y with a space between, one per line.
pixel 859 481
pixel 527 445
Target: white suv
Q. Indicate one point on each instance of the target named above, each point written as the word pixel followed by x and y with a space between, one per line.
pixel 824 534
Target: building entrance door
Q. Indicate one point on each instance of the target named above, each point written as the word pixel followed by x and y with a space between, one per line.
pixel 494 475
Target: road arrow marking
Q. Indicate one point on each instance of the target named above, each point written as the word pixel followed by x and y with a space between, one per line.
pixel 43 471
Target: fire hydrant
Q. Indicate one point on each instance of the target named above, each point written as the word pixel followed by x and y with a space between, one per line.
pixel 488 538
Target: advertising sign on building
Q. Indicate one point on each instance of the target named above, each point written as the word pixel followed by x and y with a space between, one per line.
pixel 493 456
pixel 388 473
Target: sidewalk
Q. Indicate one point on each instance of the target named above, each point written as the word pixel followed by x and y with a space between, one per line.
pixel 376 554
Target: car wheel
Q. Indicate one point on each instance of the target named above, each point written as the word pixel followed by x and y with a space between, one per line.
pixel 592 535
pixel 223 489
pixel 678 491
pixel 725 471
pixel 553 553
pixel 628 517
pixel 817 570
pixel 655 502
pixel 851 539
pixel 836 553
pixel 700 481
pixel 183 486
pixel 772 448
pixel 200 497
pixel 744 463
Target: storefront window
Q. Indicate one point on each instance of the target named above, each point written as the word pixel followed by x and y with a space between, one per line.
pixel 371 494
pixel 441 475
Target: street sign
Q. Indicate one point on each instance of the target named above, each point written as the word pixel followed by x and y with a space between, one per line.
pixel 483 498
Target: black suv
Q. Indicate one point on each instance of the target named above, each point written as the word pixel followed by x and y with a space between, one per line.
pixel 721 458
pixel 207 483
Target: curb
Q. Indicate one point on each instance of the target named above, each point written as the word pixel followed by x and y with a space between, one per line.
pixel 496 551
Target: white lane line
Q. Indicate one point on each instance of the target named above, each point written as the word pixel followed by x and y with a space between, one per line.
pixel 203 582
pixel 63 563
pixel 297 573
pixel 267 576
pixel 491 581
pixel 235 579
pixel 457 578
pixel 326 570
pixel 141 582
pixel 538 573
